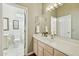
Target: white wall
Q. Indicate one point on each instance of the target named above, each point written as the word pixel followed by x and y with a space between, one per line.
pixel 14 13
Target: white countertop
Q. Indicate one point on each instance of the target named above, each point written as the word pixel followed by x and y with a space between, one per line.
pixel 67 46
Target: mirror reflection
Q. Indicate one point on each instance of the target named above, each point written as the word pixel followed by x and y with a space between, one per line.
pixel 61 20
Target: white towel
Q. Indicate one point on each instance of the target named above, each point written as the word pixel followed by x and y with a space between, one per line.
pixel 37 29
pixel 46 28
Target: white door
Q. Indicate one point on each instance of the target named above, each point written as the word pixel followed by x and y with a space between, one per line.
pixel 53 24
pixel 64 26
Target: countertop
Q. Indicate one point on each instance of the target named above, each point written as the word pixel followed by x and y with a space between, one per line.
pixel 68 46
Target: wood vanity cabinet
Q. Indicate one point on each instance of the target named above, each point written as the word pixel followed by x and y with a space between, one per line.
pixel 58 53
pixel 42 49
pixel 48 51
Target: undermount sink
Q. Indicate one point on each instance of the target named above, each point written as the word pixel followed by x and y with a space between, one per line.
pixel 47 38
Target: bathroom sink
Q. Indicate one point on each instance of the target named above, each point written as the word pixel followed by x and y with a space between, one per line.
pixel 43 38
pixel 47 39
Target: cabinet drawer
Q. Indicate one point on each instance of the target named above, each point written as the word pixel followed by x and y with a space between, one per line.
pixel 58 53
pixel 49 49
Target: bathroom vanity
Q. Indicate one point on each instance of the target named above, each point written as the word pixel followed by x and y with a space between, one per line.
pixel 58 46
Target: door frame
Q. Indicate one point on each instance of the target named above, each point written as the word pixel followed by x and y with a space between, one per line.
pixel 25 28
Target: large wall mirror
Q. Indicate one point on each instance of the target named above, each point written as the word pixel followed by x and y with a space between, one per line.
pixel 67 21
pixel 64 26
pixel 41 24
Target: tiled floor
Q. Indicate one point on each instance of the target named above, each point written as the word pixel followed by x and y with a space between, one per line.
pixel 15 50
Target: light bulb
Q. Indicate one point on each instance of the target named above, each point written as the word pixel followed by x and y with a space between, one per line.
pixel 60 4
pixel 55 5
pixel 48 9
pixel 51 7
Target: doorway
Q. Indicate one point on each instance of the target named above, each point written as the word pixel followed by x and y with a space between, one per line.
pixel 14 41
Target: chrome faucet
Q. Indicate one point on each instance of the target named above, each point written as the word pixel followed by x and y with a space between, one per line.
pixel 44 34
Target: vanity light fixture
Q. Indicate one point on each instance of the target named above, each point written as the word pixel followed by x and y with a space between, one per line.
pixel 52 6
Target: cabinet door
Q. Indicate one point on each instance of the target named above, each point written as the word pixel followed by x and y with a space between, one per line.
pixel 48 48
pixel 40 51
pixel 46 53
pixel 35 46
pixel 58 53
